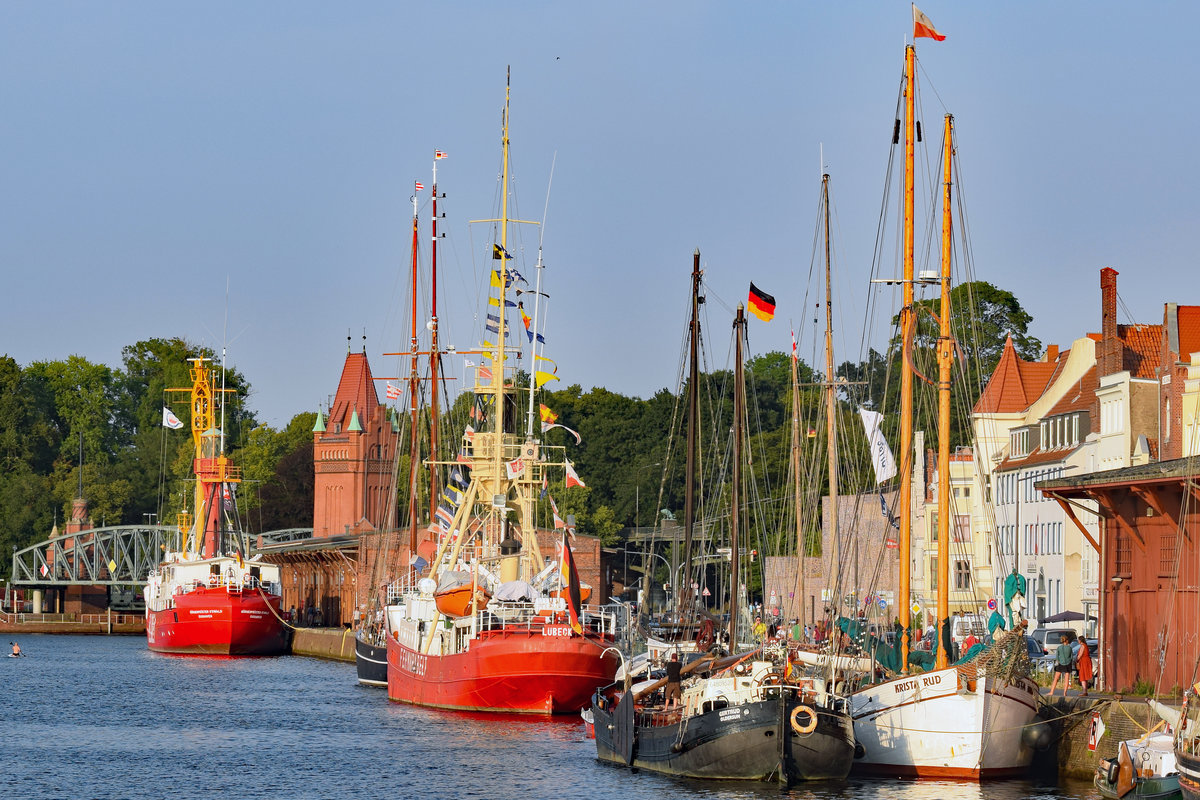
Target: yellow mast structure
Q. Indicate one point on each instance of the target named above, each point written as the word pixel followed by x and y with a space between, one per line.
pixel 906 377
pixel 212 468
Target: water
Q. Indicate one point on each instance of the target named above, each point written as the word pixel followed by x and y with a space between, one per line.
pixel 103 717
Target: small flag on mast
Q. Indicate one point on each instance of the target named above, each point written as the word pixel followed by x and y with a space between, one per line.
pixel 418 186
pixel 762 305
pixel 170 420
pixel 923 26
pixel 439 154
pixel 572 476
pixel 393 392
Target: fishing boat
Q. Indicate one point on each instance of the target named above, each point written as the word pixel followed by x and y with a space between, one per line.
pixel 1187 746
pixel 528 649
pixel 974 719
pixel 209 598
pixel 1144 769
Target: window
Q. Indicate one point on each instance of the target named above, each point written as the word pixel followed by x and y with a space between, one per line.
pixel 1168 556
pixel 933 574
pixel 1124 555
pixel 962 528
pixel 962 574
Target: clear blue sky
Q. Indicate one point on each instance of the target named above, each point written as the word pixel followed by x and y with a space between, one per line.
pixel 149 152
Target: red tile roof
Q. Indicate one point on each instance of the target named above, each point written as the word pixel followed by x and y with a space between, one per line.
pixel 1078 400
pixel 1038 456
pixel 1141 351
pixel 1188 318
pixel 355 392
pixel 1015 383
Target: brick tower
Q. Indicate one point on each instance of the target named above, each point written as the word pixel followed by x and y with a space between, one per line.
pixel 353 453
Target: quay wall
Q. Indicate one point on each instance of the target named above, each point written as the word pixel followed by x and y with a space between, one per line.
pixel 336 644
pixel 1123 719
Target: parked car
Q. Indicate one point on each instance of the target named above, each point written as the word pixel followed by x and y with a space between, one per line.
pixel 962 624
pixel 1050 638
pixel 1036 651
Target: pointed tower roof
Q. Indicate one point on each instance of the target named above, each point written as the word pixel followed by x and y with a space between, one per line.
pixel 356 398
pixel 319 426
pixel 355 425
pixel 1015 383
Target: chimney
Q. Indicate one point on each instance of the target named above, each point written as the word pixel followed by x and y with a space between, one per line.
pixel 1109 360
pixel 1051 353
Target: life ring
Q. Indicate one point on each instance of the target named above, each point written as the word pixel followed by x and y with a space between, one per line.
pixel 809 726
pixel 705 636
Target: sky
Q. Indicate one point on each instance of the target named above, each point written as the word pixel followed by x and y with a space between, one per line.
pixel 240 174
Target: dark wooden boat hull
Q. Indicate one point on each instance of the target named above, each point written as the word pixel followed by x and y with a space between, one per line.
pixel 371 663
pixel 1189 774
pixel 825 753
pixel 733 743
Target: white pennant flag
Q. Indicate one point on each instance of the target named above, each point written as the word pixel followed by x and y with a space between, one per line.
pixel 170 420
pixel 881 454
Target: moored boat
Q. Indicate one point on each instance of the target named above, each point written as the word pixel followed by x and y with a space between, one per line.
pixel 208 598
pixel 1144 769
pixel 534 647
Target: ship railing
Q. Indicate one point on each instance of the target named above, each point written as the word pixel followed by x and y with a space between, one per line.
pixel 26 618
pixel 596 620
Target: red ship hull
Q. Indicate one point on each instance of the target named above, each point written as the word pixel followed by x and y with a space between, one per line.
pixel 217 622
pixel 519 671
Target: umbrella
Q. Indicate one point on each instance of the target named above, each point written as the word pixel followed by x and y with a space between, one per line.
pixel 1065 616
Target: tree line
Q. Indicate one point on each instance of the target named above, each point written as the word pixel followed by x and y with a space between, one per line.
pixel 71 422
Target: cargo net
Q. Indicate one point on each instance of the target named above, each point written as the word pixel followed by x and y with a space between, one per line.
pixel 1006 658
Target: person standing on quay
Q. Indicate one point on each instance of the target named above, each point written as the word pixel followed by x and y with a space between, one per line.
pixel 1083 663
pixel 1062 666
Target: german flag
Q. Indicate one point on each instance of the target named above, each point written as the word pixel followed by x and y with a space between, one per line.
pixel 762 305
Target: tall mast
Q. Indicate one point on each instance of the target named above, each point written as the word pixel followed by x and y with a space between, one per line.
pixel 435 366
pixel 739 415
pixel 945 354
pixel 414 382
pixel 831 405
pixel 801 549
pixel 689 490
pixel 906 377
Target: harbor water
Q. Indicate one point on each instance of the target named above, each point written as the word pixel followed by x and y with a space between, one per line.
pixel 103 717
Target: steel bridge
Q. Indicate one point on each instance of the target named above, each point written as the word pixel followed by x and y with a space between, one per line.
pixel 119 555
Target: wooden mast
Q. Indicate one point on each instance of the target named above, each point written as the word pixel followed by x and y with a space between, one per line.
pixel 801 548
pixel 945 355
pixel 435 365
pixel 831 408
pixel 739 415
pixel 689 490
pixel 906 377
pixel 414 382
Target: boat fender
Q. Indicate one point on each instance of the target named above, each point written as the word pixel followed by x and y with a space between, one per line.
pixel 809 725
pixel 1114 772
pixel 859 750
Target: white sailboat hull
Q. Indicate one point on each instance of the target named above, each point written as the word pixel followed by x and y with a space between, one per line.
pixel 927 725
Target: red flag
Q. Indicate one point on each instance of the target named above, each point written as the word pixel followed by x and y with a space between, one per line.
pixel 923 26
pixel 393 392
pixel 572 477
pixel 795 355
pixel 418 186
pixel 570 580
pixel 762 305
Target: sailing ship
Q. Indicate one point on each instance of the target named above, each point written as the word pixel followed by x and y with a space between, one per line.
pixel 370 635
pixel 208 598
pixel 740 717
pixel 974 719
pixel 533 646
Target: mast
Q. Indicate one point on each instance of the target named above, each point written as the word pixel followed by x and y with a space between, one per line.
pixel 689 489
pixel 414 380
pixel 801 549
pixel 945 354
pixel 739 414
pixel 906 377
pixel 831 405
pixel 435 366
